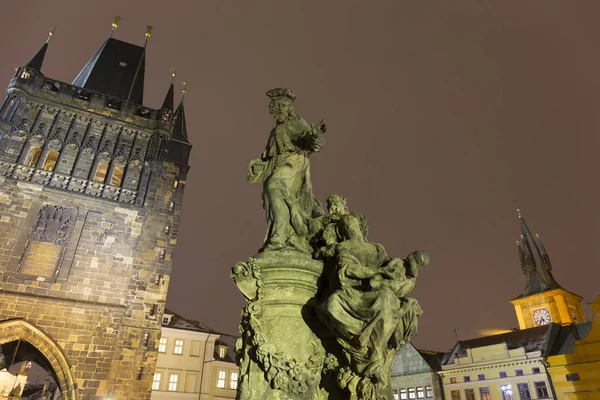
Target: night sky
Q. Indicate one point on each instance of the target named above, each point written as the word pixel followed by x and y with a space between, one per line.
pixel 440 115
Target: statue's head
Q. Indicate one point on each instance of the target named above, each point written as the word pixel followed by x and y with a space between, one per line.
pixel 280 106
pixel 336 206
pixel 353 226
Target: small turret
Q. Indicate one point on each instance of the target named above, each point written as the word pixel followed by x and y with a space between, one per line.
pixel 38 59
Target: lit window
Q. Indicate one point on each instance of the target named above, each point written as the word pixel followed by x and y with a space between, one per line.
pixel 162 346
pixel 395 394
pixel 222 351
pixel 403 395
pixel 233 380
pixel 519 372
pixel 175 184
pixel 178 349
pixel 221 379
pixel 542 390
pixel 100 174
pixel 50 162
pixel 452 380
pixel 429 392
pixel 167 229
pixel 484 392
pixel 411 393
pixel 122 64
pixel 190 383
pixel 455 394
pixel 173 378
pixel 140 373
pixel 420 392
pixel 32 157
pixel 171 206
pixel 117 176
pixel 146 339
pixel 470 394
pixel 467 378
pixel 161 254
pixel 507 392
pixel 195 348
pixel 25 75
pixel 481 377
pixel 503 374
pixel 524 393
pixel 156 381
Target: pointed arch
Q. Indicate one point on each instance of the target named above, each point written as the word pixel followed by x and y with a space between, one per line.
pixel 18 329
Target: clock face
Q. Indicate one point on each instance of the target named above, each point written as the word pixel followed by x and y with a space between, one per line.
pixel 541 316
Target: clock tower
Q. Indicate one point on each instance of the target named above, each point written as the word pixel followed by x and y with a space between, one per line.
pixel 543 300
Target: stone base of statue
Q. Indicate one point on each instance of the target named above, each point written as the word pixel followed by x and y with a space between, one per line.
pixel 279 355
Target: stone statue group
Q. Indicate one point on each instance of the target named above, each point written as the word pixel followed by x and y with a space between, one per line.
pixel 327 309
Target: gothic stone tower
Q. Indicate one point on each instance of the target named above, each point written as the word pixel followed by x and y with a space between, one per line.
pixel 543 300
pixel 91 188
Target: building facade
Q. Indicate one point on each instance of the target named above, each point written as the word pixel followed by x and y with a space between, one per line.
pixel 194 362
pixel 576 374
pixel 415 374
pixel 91 188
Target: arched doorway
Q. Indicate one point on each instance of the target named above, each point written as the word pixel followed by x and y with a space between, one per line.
pixel 22 341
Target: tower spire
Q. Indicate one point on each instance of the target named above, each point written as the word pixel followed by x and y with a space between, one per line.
pixel 180 127
pixel 38 59
pixel 535 262
pixel 169 102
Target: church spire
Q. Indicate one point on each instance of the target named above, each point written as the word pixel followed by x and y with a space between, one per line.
pixel 535 263
pixel 169 102
pixel 37 60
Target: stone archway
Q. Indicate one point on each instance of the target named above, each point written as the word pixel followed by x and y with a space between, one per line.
pixel 13 330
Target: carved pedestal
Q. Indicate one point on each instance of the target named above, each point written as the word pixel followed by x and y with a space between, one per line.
pixel 279 355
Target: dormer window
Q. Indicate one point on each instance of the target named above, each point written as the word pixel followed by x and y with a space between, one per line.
pixel 166 319
pixel 222 351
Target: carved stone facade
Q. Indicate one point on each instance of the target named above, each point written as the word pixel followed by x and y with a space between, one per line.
pixel 89 216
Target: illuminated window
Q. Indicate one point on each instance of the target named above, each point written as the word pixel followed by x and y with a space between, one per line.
pixel 222 351
pixel 161 254
pixel 175 184
pixel 171 206
pixel 420 392
pixel 190 383
pixel 411 393
pixel 50 161
pixel 146 339
pixel 455 395
pixel 140 373
pixel 162 345
pixel 524 393
pixel 100 174
pixel 167 229
pixel 507 392
pixel 429 392
pixel 25 75
pixel 32 157
pixel 541 390
pixel 452 380
pixel 117 176
pixel 403 394
pixel 233 380
pixel 484 393
pixel 156 381
pixel 395 394
pixel 470 394
pixel 178 349
pixel 173 379
pixel 221 379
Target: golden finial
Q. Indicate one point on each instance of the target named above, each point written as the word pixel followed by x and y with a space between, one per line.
pixel 173 74
pixel 184 90
pixel 148 32
pixel 115 23
pixel 522 238
pixel 50 34
pixel 517 242
pixel 537 236
pixel 519 212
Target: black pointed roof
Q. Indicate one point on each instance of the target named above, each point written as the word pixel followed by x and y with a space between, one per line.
pixel 37 60
pixel 535 264
pixel 117 69
pixel 180 126
pixel 169 102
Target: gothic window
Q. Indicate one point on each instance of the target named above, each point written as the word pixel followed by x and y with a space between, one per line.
pixel 7 109
pixel 117 176
pixel 83 95
pixel 50 161
pixel 40 129
pixel 51 86
pixel 23 124
pixel 100 174
pixel 25 74
pixel 33 155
